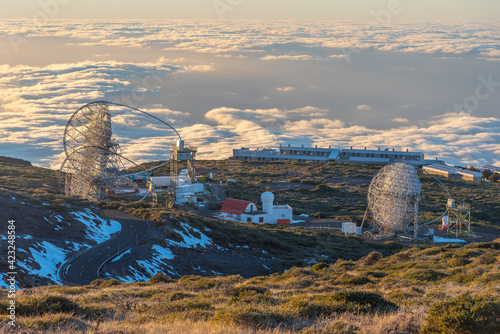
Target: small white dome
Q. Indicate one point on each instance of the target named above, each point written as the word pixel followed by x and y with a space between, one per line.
pixel 267 196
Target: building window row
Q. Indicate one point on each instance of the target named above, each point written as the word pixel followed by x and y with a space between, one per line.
pixel 387 156
pixel 313 153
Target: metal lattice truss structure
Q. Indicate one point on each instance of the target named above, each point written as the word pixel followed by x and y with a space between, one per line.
pixel 94 164
pixel 459 220
pixel 393 199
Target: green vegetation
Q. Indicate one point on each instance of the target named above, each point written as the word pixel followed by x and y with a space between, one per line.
pixel 416 290
pixel 338 190
pixel 358 287
pixel 328 190
pixel 465 314
pixel 34 185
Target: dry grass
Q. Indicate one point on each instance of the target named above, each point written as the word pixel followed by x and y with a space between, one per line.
pixel 372 295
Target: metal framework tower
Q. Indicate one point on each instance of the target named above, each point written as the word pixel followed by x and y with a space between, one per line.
pixel 182 158
pixel 459 219
pixel 166 195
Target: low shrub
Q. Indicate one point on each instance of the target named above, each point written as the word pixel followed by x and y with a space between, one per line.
pixel 185 305
pixel 337 327
pixel 394 245
pixel 179 296
pixel 426 275
pixel 50 321
pixel 251 316
pixel 372 258
pixel 485 259
pixel 97 282
pixel 316 306
pixel 464 314
pixel 67 290
pixel 459 261
pixel 319 266
pixel 246 290
pixel 377 274
pixel 109 283
pixel 356 280
pixel 159 278
pixel 196 283
pixel 40 305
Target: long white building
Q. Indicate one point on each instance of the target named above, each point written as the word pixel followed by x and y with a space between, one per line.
pixel 315 154
pixel 453 172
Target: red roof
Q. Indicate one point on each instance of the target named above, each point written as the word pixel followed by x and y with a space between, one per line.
pixel 237 206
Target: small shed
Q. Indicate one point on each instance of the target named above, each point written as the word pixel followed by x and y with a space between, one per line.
pixel 349 228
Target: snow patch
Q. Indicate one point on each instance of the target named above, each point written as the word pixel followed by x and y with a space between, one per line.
pixel 199 269
pixel 164 253
pixel 137 276
pixel 77 246
pixel 4 284
pixel 152 266
pixel 441 239
pixel 190 241
pixel 97 227
pixel 48 257
pixel 121 255
pixel 57 218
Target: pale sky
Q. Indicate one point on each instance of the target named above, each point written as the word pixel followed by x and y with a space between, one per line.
pixel 428 10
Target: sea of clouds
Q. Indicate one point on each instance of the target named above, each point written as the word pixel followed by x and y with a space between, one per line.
pixel 430 87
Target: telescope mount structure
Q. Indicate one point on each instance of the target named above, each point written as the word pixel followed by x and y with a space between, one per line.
pixel 94 166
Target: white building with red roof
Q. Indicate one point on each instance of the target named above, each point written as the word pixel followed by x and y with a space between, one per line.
pixel 247 211
pixel 232 209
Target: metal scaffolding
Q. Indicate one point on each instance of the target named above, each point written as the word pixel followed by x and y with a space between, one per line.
pixel 94 164
pixel 459 219
pixel 182 158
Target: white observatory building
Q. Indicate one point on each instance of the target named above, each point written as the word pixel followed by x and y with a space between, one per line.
pixel 271 214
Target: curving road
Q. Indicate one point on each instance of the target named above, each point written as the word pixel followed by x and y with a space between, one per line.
pixel 84 268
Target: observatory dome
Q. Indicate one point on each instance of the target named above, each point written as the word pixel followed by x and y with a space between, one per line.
pixel 267 202
pixel 394 195
pixel 267 196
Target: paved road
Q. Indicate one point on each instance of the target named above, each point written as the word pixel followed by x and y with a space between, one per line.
pixel 83 268
pixel 218 192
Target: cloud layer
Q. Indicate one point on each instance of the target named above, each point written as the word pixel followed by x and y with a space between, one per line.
pixel 251 84
pixel 260 36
